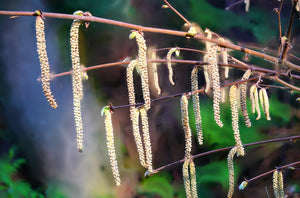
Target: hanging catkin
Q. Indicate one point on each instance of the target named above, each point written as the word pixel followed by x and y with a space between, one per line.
pixel 193 179
pixel 207 74
pixel 110 144
pixel 147 142
pixel 77 79
pixel 224 55
pixel 169 63
pixel 134 113
pixel 186 178
pixel 196 104
pixel 264 101
pixel 243 98
pixel 231 154
pixel 44 62
pixel 186 126
pixel 235 119
pixel 142 63
pixel 278 184
pixel 155 73
pixel 254 101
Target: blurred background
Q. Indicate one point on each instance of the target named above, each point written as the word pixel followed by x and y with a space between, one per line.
pixel 38 155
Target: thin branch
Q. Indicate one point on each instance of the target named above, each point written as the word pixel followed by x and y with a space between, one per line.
pixel 155 30
pixel 180 15
pixel 228 148
pixel 286 84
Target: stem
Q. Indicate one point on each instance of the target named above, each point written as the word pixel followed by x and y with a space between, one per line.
pixel 180 15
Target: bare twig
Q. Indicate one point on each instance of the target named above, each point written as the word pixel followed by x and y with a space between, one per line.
pixel 180 15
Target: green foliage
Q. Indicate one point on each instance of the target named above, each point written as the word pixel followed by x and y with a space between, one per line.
pixel 157 185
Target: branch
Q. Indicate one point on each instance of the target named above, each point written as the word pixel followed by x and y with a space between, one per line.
pixel 154 30
pixel 228 148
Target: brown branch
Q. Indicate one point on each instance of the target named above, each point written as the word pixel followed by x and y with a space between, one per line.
pixel 285 83
pixel 228 148
pixel 180 15
pixel 155 30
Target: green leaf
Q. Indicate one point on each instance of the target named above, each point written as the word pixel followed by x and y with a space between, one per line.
pixel 158 185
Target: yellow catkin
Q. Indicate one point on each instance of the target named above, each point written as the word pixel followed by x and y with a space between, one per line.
pixel 243 98
pixel 44 62
pixel 224 55
pixel 275 184
pixel 235 119
pixel 193 179
pixel 186 178
pixel 255 101
pixel 134 113
pixel 186 126
pixel 169 64
pixel 111 146
pixel 155 73
pixel 147 142
pixel 207 74
pixel 247 5
pixel 142 62
pixel 231 154
pixel 196 104
pixel 251 94
pixel 264 101
pixel 77 80
pixel 280 185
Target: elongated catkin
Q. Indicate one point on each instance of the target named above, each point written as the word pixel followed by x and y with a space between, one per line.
pixel 111 145
pixel 264 101
pixel 186 126
pixel 155 73
pixel 255 101
pixel 207 74
pixel 186 178
pixel 231 154
pixel 44 62
pixel 235 119
pixel 169 64
pixel 193 179
pixel 243 98
pixel 196 104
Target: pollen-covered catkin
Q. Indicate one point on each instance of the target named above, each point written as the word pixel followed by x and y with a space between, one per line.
pixel 196 104
pixel 224 55
pixel 186 126
pixel 169 64
pixel 275 184
pixel 254 101
pixel 134 112
pixel 142 62
pixel 186 178
pixel 243 98
pixel 155 73
pixel 235 119
pixel 77 80
pixel 207 74
pixel 111 145
pixel 231 154
pixel 193 179
pixel 280 185
pixel 146 135
pixel 264 101
pixel 44 62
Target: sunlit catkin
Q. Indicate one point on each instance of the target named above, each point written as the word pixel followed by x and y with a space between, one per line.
pixel 134 113
pixel 77 79
pixel 207 74
pixel 243 98
pixel 264 101
pixel 231 154
pixel 147 142
pixel 111 145
pixel 186 126
pixel 142 62
pixel 186 178
pixel 280 185
pixel 155 73
pixel 235 119
pixel 224 55
pixel 193 179
pixel 44 62
pixel 275 184
pixel 169 63
pixel 196 104
pixel 254 101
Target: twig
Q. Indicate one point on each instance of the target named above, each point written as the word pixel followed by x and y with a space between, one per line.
pixel 286 84
pixel 180 15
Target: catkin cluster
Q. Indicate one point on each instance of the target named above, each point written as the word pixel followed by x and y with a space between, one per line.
pixel 278 184
pixel 254 101
pixel 44 62
pixel 186 126
pixel 111 145
pixel 142 63
pixel 264 102
pixel 169 64
pixel 196 104
pixel 189 178
pixel 231 154
pixel 243 98
pixel 235 119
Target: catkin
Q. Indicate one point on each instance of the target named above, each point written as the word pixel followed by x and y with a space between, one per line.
pixel 264 101
pixel 76 80
pixel 186 178
pixel 193 179
pixel 207 74
pixel 44 62
pixel 134 113
pixel 235 119
pixel 142 62
pixel 231 154
pixel 278 184
pixel 243 98
pixel 196 104
pixel 186 126
pixel 254 101
pixel 146 135
pixel 247 5
pixel 155 73
pixel 169 64
pixel 111 145
pixel 224 55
